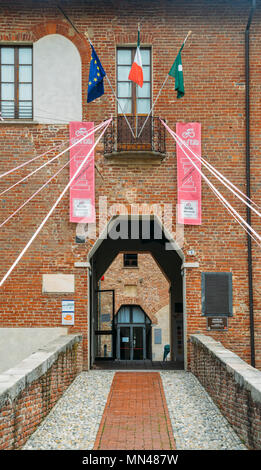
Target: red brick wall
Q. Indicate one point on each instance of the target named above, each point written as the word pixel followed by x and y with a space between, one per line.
pixel 232 395
pixel 20 418
pixel 152 286
pixel 213 63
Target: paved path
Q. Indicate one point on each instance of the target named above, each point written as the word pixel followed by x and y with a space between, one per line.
pixel 136 414
pixel 74 422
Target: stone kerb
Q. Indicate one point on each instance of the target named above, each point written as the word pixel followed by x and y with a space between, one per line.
pixel 234 385
pixel 29 390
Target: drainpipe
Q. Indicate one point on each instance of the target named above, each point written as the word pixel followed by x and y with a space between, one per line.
pixel 248 187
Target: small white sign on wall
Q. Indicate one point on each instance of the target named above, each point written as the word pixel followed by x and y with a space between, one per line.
pixel 67 312
pixel 82 208
pixel 189 209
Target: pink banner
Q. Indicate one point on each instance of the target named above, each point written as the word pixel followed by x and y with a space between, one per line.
pixel 82 191
pixel 189 179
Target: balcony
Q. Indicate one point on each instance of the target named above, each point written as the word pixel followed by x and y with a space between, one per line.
pixel 120 144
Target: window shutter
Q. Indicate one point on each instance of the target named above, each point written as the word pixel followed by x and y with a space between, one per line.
pixel 216 293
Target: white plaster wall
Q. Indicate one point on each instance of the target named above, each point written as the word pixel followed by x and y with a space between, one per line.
pixel 163 323
pixel 57 89
pixel 18 343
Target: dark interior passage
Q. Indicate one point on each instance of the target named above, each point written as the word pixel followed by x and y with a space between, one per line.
pixel 136 235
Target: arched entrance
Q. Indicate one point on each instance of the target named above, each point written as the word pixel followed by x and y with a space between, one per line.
pixel 144 235
pixel 133 334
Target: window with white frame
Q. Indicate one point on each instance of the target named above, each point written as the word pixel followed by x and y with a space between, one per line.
pixel 16 91
pixel 133 99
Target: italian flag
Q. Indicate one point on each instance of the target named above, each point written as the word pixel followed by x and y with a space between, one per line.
pixel 136 71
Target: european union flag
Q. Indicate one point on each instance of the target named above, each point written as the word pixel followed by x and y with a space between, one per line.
pixel 96 75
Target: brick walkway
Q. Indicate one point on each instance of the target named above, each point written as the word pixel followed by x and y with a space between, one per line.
pixel 136 415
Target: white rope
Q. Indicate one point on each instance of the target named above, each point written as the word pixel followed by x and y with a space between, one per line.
pixel 218 175
pixel 29 161
pixel 126 119
pixel 152 107
pixel 106 124
pixel 159 93
pixel 228 205
pixel 231 184
pixel 246 230
pixel 115 96
pixel 52 159
pixel 38 191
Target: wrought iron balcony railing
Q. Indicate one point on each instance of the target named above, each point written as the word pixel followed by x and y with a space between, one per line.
pixel 118 137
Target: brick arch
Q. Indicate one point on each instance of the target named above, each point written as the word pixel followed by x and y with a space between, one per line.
pixel 150 310
pixel 131 38
pixel 82 44
pixel 130 301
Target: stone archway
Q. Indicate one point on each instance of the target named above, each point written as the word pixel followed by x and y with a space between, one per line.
pixel 132 333
pixel 165 251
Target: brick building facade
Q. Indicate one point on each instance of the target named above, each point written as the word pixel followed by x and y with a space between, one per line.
pixel 215 81
pixel 144 286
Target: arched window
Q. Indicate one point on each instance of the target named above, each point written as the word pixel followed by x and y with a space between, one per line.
pixel 131 314
pixel 57 80
pixel 133 328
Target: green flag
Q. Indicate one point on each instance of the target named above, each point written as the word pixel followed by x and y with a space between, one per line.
pixel 177 73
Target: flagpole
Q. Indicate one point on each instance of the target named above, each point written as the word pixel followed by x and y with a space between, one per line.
pixel 151 109
pixel 108 80
pixel 136 117
pixel 189 33
pixel 164 83
pixel 120 106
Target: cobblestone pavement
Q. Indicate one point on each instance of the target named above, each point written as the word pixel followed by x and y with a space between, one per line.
pixel 74 421
pixel 196 421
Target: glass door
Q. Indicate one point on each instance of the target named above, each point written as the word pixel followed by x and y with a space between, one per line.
pixel 133 329
pixel 125 343
pixel 131 343
pixel 104 325
pixel 138 343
